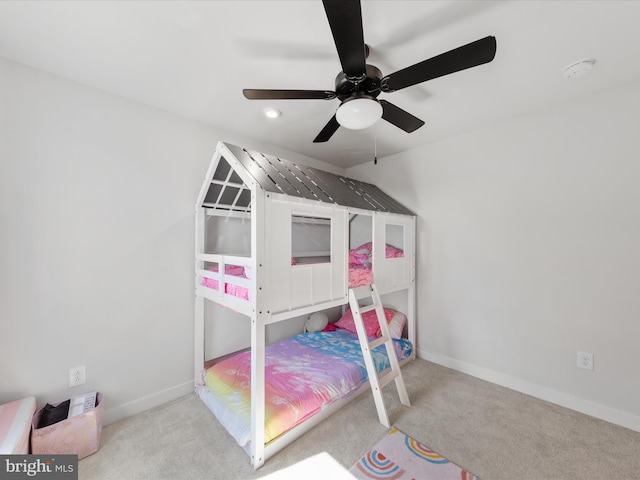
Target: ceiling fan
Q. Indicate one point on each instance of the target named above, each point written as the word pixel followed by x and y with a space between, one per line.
pixel 358 85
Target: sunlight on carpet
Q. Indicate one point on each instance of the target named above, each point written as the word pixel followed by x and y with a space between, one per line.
pixel 319 467
pixel 398 457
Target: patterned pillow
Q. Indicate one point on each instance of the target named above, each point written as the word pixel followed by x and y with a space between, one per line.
pixel 369 319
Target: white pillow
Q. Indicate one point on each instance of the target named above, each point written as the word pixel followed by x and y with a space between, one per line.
pixel 396 324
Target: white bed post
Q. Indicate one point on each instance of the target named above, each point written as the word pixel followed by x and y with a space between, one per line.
pixel 411 291
pixel 258 324
pixel 378 251
pixel 198 325
pixel 411 315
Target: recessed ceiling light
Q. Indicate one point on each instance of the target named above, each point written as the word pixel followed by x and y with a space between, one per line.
pixel 272 112
pixel 579 68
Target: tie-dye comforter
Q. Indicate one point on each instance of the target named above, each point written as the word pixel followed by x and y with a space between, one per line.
pixel 303 374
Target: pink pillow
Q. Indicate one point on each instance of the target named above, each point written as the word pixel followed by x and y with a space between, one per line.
pixel 396 324
pixel 369 319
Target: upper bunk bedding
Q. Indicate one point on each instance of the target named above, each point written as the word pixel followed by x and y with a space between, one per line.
pixel 230 288
pixel 303 375
pixel 360 264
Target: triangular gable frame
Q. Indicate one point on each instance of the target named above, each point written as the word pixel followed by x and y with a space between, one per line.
pixel 277 175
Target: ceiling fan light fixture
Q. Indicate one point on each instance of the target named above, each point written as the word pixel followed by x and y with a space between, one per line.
pixel 359 112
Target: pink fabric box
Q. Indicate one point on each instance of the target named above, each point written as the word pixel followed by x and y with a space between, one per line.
pixel 15 426
pixel 79 435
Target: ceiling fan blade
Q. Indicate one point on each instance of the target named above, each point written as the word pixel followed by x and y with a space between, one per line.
pixel 399 117
pixel 470 55
pixel 253 94
pixel 345 20
pixel 328 130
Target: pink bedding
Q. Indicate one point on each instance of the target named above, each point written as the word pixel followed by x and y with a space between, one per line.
pixel 229 288
pixel 304 374
pixel 360 273
pixel 362 255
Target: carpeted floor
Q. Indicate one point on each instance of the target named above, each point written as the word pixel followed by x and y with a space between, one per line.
pixel 492 431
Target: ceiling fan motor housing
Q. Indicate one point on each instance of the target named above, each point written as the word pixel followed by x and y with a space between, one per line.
pixel 370 84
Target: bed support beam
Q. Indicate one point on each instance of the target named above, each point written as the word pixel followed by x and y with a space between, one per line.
pixel 259 319
pixel 199 301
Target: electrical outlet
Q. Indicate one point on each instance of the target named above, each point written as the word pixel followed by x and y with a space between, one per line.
pixel 77 376
pixel 585 360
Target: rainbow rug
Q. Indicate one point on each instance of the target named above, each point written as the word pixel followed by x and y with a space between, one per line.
pixel 398 457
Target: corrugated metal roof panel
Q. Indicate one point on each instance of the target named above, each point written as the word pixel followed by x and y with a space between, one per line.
pixel 279 175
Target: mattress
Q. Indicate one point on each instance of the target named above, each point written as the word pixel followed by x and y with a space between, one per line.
pixel 304 374
pixel 15 425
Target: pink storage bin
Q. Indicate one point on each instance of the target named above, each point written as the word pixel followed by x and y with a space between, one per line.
pixel 79 435
pixel 15 426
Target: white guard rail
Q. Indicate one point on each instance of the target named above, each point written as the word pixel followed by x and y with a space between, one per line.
pixel 218 294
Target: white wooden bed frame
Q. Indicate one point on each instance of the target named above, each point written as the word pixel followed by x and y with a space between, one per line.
pixel 278 290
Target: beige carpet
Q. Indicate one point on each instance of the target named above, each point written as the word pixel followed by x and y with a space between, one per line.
pixel 489 430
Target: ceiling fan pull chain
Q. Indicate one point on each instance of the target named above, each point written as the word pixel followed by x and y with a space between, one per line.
pixel 375 143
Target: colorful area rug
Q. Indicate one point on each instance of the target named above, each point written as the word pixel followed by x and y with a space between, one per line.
pixel 398 457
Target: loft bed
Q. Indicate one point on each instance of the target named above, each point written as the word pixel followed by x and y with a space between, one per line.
pixel 275 241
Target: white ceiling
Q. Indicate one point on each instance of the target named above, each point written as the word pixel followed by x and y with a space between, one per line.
pixel 194 58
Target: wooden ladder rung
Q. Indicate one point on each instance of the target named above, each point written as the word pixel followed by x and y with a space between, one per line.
pixel 361 292
pixel 386 378
pixel 366 309
pixel 377 342
pixel 377 381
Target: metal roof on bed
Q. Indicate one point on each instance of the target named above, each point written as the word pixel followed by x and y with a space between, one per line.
pixel 228 192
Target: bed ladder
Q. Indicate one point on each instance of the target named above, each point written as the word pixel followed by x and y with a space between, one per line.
pixel 377 382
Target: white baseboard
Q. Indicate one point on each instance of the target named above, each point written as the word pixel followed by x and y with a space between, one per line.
pixel 119 412
pixel 612 415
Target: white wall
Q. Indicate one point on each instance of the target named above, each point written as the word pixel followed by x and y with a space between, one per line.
pixel 97 241
pixel 529 250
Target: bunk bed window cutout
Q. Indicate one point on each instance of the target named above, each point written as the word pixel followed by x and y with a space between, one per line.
pixel 394 234
pixel 310 240
pixel 397 268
